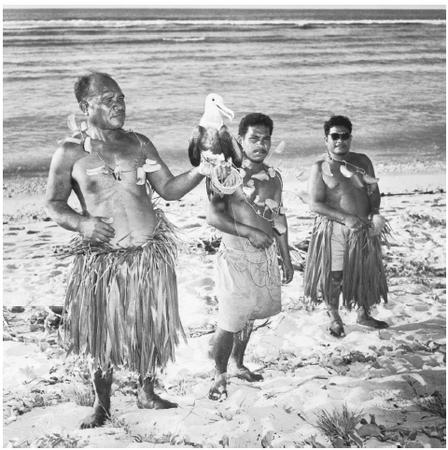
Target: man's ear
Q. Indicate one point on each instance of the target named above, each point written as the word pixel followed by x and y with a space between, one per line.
pixel 240 140
pixel 84 106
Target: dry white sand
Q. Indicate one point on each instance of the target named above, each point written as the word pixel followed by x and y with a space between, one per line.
pixel 384 374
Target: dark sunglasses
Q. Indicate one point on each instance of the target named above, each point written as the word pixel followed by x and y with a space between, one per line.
pixel 341 136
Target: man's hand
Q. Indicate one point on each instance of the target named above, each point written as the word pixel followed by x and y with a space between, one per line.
pixel 378 222
pixel 96 229
pixel 288 272
pixel 223 171
pixel 259 239
pixel 353 222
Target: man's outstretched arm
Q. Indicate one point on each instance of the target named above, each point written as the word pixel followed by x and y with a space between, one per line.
pixel 168 186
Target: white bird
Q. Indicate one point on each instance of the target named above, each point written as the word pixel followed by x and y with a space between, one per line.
pixel 213 135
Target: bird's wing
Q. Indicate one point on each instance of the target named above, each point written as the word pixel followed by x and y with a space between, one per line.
pixel 230 146
pixel 194 145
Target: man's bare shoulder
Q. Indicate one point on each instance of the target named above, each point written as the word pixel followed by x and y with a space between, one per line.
pixel 360 159
pixel 70 151
pixel 277 178
pixel 142 140
pixel 317 165
pixel 146 145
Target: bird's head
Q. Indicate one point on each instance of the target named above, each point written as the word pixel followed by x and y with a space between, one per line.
pixel 214 103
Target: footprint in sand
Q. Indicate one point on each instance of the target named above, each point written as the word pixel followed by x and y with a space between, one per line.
pixel 55 273
pixel 37 244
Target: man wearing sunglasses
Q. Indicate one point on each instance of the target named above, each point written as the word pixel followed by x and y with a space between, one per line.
pixel 344 255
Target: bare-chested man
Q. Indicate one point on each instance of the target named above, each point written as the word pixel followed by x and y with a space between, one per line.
pixel 121 298
pixel 253 225
pixel 345 248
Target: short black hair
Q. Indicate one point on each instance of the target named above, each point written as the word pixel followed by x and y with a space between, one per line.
pixel 84 82
pixel 255 119
pixel 337 121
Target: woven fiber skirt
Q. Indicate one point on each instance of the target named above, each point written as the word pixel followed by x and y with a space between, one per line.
pixel 363 276
pixel 121 304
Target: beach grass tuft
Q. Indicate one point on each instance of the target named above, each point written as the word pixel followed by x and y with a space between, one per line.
pixel 50 440
pixel 340 426
pixel 434 403
pixel 81 394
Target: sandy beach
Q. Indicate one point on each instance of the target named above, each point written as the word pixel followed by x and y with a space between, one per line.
pixel 392 381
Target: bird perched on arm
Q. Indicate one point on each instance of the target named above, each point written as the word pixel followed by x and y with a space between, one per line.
pixel 213 135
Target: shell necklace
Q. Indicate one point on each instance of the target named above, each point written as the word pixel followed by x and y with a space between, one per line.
pixel 268 209
pixel 86 142
pixel 348 169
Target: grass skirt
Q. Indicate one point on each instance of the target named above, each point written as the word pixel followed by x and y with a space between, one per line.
pixel 121 304
pixel 363 279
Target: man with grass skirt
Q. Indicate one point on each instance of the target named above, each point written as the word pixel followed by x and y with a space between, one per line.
pixel 121 302
pixel 345 248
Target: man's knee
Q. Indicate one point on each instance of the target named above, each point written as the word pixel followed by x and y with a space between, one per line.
pixel 336 275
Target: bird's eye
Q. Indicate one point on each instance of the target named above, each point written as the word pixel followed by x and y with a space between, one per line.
pixel 213 99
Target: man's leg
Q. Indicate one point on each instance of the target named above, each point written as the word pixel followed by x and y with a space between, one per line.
pixel 148 399
pixel 102 382
pixel 240 341
pixel 336 325
pixel 364 318
pixel 221 352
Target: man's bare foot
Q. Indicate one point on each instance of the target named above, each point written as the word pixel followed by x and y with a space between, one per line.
pixel 153 401
pixel 336 328
pixel 218 391
pixel 102 382
pixel 148 399
pixel 96 419
pixel 245 374
pixel 368 321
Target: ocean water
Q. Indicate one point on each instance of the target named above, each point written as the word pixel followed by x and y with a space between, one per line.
pixel 385 69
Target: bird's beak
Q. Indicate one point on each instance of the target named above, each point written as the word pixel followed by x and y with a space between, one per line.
pixel 226 112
